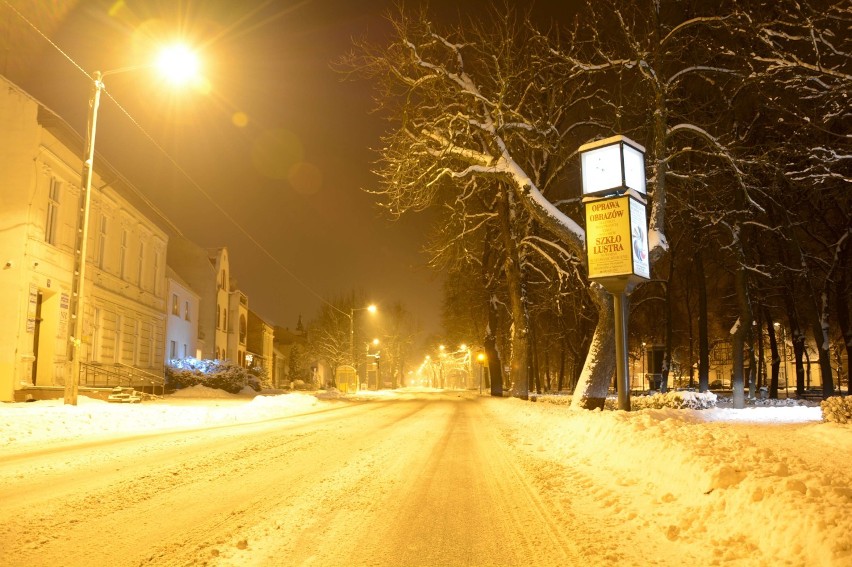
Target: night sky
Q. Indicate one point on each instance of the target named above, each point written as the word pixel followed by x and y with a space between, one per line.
pixel 276 138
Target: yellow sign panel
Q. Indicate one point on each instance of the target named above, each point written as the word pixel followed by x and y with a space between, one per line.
pixel 608 238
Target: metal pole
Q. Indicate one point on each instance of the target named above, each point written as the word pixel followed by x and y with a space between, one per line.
pixel 78 276
pixel 352 345
pixel 621 373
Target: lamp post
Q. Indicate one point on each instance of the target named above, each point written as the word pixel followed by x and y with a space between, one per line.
pixel 613 172
pixel 643 366
pixel 480 358
pixel 352 310
pixel 178 63
pixel 783 355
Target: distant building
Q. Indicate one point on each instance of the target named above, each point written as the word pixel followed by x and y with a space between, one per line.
pixel 222 311
pixel 237 327
pixel 290 362
pixel 182 318
pixel 259 344
pixel 123 318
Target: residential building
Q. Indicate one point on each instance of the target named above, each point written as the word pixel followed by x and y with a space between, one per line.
pixel 123 316
pixel 222 311
pixel 182 318
pixel 259 344
pixel 237 327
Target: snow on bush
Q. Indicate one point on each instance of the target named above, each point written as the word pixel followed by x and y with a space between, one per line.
pixel 837 409
pixel 673 400
pixel 217 374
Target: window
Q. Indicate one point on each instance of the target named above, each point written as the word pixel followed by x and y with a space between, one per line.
pixel 141 268
pixel 185 351
pixel 52 220
pixel 122 255
pixel 96 335
pixel 186 310
pixel 119 338
pixel 172 350
pixel 102 237
pixel 137 344
pixel 175 305
pixel 157 279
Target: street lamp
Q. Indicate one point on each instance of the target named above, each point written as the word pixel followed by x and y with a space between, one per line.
pixel 185 65
pixel 480 358
pixel 783 355
pixel 613 172
pixel 352 310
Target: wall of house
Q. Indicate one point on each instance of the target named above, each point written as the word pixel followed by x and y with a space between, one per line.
pixel 181 321
pixel 123 317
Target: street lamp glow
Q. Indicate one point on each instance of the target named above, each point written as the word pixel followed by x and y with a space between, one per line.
pixel 178 64
pixel 352 310
pixel 375 342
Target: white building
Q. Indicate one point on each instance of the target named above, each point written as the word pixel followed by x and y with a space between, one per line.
pixel 123 318
pixel 182 318
pixel 223 310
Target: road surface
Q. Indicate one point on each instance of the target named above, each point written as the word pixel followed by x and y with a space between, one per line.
pixel 384 483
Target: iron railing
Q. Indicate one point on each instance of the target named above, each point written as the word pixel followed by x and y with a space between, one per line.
pixel 99 375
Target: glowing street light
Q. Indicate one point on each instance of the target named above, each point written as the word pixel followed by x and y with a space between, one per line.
pixel 480 358
pixel 372 310
pixel 178 64
pixel 78 276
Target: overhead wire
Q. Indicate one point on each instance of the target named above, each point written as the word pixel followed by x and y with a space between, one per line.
pixel 197 186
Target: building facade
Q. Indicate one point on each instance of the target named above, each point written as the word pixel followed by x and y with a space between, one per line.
pixel 181 319
pixel 123 313
pixel 259 345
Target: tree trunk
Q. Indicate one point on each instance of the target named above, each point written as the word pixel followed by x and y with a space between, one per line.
pixel 842 291
pixel 742 336
pixel 776 358
pixel 703 340
pixel 489 342
pixel 758 377
pixel 519 361
pixel 798 341
pixel 815 319
pixel 495 366
pixel 599 367
pixel 667 355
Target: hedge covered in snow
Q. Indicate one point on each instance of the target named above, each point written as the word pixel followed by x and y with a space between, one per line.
pixel 837 409
pixel 218 374
pixel 675 400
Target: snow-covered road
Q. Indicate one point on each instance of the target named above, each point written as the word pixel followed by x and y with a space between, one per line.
pixel 405 482
pixel 423 479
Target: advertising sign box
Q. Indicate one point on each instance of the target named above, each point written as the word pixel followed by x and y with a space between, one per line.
pixel 616 238
pixel 612 166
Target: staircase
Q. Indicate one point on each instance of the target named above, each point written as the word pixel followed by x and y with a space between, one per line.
pixel 124 396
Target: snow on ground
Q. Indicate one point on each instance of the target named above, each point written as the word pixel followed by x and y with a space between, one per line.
pixel 746 481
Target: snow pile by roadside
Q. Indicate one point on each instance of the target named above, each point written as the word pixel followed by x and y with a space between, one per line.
pixel 769 485
pixel 24 426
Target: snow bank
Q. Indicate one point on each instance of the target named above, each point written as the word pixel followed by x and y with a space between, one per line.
pixel 767 483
